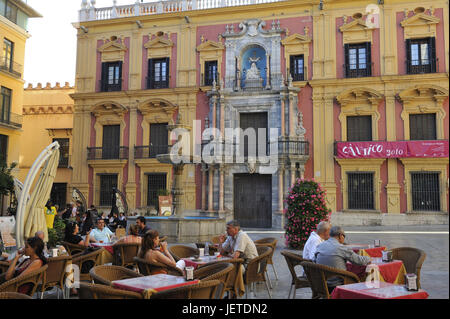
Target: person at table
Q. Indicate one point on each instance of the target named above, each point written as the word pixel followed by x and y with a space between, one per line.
pixel 132 238
pixel 237 244
pixel 122 220
pixel 114 222
pixel 34 249
pixel 317 237
pixel 50 213
pixel 86 223
pixel 143 229
pixel 149 251
pixel 101 233
pixel 333 253
pixel 72 236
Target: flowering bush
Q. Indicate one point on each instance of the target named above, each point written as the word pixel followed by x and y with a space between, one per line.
pixel 305 209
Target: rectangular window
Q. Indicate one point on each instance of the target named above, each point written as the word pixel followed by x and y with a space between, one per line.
pixel 159 139
pixel 3 147
pixel 5 105
pixel 358 60
pixel 210 72
pixel 422 126
pixel 425 191
pixel 156 182
pixel 254 121
pixel 359 128
pixel 107 183
pixel 8 55
pixel 111 142
pixel 111 76
pixel 63 151
pixel 58 194
pixel 297 67
pixel 421 55
pixel 360 190
pixel 11 12
pixel 158 73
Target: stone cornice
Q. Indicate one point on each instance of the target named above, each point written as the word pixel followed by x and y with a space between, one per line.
pixel 41 109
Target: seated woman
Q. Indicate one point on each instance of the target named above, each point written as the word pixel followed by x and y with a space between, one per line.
pixel 150 253
pixel 132 238
pixel 34 248
pixel 73 237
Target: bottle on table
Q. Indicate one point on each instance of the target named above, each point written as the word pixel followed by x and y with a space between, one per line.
pixel 206 249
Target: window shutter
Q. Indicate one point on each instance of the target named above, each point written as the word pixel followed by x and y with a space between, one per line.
pixel 408 56
pixel 368 59
pixel 104 79
pixel 167 72
pixel 150 74
pixel 120 75
pixel 292 68
pixel 346 61
pixel 432 53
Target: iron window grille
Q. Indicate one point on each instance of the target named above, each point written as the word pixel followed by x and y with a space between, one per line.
pixel 360 190
pixel 156 182
pixel 107 183
pixel 359 128
pixel 425 191
pixel 64 151
pixel 422 126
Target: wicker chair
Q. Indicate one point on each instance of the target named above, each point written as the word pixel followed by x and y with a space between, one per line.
pixel 147 268
pixel 217 271
pixel 124 254
pixel 215 239
pixel 105 274
pixel 256 269
pixel 55 274
pixel 210 289
pixel 412 259
pixel 95 291
pixel 318 274
pixel 86 262
pixel 272 243
pixel 13 295
pixel 4 265
pixel 211 248
pixel 73 249
pixel 181 251
pixel 33 278
pixel 293 260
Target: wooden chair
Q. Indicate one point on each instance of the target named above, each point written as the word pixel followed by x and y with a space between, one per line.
pixel 73 249
pixel 203 290
pixel 124 254
pixel 105 274
pixel 412 259
pixel 293 260
pixel 86 262
pixel 181 251
pixel 147 268
pixel 272 243
pixel 33 279
pixel 217 271
pixel 13 295
pixel 96 291
pixel 256 269
pixel 55 274
pixel 318 274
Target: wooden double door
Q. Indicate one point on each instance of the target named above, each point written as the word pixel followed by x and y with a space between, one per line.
pixel 253 200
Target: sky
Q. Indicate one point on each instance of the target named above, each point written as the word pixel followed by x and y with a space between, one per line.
pixel 50 53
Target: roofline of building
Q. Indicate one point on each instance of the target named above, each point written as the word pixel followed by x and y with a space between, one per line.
pixel 27 9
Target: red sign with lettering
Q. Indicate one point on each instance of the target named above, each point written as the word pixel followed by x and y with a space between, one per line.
pixel 381 149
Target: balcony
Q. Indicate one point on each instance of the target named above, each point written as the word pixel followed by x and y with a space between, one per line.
pixel 141 152
pixel 419 67
pixel 152 84
pixel 107 153
pixel 170 6
pixel 352 71
pixel 12 120
pixel 11 67
pixel 110 87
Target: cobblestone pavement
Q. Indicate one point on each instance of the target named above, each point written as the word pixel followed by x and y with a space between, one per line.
pixel 434 240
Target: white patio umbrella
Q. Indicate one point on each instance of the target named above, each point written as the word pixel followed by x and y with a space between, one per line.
pixel 30 214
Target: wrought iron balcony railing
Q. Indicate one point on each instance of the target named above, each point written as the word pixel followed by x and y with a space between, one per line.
pixel 105 86
pixel 151 151
pixel 352 71
pixel 421 67
pixel 12 119
pixel 11 67
pixel 99 153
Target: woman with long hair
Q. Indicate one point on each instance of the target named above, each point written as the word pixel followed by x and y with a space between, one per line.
pixel 72 236
pixel 133 236
pixel 149 251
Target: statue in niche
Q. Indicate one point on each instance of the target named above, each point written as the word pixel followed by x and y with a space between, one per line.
pixel 253 73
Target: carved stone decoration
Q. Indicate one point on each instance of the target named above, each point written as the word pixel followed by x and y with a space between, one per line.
pixel 300 130
pixel 251 166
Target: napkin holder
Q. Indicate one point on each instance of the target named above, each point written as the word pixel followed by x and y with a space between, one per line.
pixel 411 282
pixel 386 256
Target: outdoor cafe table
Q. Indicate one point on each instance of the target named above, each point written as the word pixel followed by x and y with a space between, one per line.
pixel 392 272
pixel 107 255
pixel 367 250
pixel 150 284
pixel 376 290
pixel 239 287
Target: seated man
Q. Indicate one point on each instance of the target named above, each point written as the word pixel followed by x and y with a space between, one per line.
pixel 317 237
pixel 333 253
pixel 238 244
pixel 140 222
pixel 101 233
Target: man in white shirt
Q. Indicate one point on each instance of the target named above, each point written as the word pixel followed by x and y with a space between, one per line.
pixel 317 237
pixel 101 233
pixel 238 244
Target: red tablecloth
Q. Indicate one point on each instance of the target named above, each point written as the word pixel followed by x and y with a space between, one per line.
pixel 204 260
pixel 158 282
pixel 378 290
pixel 374 252
pixel 107 246
pixel 388 270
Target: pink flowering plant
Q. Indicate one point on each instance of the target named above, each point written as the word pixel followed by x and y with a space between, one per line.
pixel 306 208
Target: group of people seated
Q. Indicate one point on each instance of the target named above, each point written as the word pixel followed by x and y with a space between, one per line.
pixel 326 246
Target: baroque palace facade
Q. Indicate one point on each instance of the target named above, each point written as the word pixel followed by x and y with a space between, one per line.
pixel 355 91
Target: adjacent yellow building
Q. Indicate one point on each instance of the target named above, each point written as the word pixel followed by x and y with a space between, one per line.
pixel 14 15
